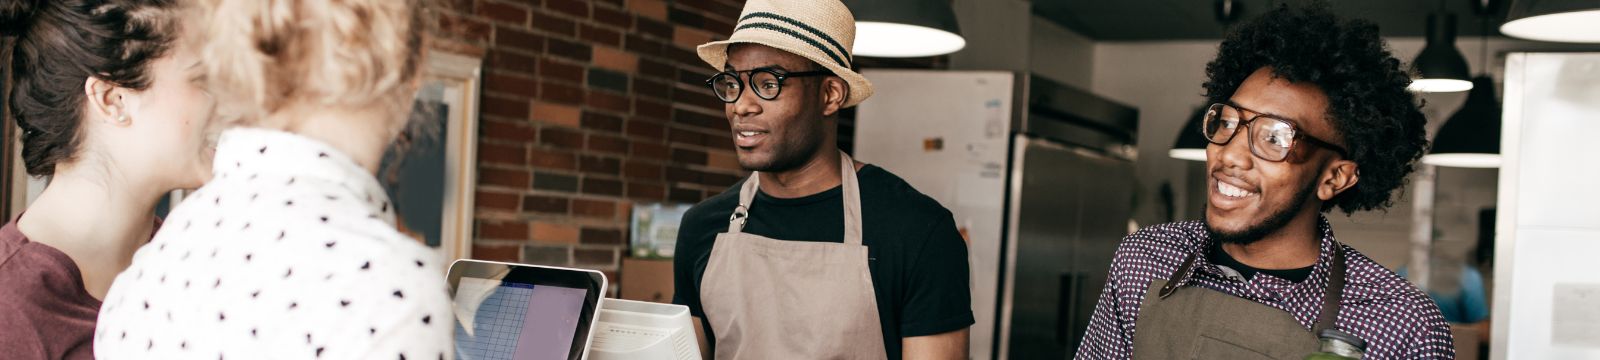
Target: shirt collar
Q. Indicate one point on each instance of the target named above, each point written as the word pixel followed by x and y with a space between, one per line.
pixel 1319 270
pixel 254 154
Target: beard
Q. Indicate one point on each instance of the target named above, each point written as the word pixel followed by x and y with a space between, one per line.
pixel 1266 226
pixel 792 152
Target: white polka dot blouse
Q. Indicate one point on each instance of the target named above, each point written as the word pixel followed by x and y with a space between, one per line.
pixel 290 252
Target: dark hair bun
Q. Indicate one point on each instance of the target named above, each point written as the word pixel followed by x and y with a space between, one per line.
pixel 16 15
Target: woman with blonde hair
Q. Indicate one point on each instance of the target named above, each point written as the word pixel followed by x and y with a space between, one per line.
pixel 103 96
pixel 291 250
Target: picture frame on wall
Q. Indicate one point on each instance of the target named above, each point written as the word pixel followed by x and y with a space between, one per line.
pixel 429 174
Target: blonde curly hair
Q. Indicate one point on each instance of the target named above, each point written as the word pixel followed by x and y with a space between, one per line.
pixel 266 57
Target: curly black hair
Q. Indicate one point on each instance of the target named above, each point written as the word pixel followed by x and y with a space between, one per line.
pixel 1379 120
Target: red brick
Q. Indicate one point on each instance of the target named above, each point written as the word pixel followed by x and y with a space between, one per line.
pixel 503 12
pixel 517 131
pixel 719 27
pixel 502 60
pixel 594 236
pixel 653 89
pixel 613 17
pixel 561 138
pixel 553 24
pixel 599 165
pixel 701 100
pixel 593 208
pixel 682 136
pixel 641 170
pixel 504 253
pixel 505 107
pixel 680 174
pixel 651 8
pixel 653 27
pixel 687 156
pixel 489 200
pixel 549 159
pixel 570 7
pixel 511 85
pixel 549 232
pixel 650 150
pixel 719 142
pixel 594 257
pixel 608 144
pixel 643 191
pixel 642 46
pixel 568 49
pixel 598 121
pixel 609 101
pixel 598 186
pixel 652 109
pixel 658 69
pixel 503 230
pixel 544 204
pixel 501 177
pixel 557 114
pixel 505 36
pixel 562 93
pixel 560 70
pixel 503 154
pixel 700 120
pixel 596 35
pixel 615 59
pixel 685 195
pixel 649 130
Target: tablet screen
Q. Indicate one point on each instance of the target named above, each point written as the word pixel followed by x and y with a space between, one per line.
pixel 521 316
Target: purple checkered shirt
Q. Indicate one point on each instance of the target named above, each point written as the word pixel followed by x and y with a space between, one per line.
pixel 1397 320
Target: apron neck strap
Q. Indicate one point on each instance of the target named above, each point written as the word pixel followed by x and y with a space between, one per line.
pixel 1326 318
pixel 851 192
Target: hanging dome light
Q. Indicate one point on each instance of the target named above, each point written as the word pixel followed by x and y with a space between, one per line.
pixel 1191 144
pixel 905 28
pixel 1471 138
pixel 1575 21
pixel 1440 67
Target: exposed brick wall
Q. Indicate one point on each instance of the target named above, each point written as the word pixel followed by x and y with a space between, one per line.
pixel 590 106
pixel 587 108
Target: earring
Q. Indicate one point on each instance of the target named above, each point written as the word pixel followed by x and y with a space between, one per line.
pixel 123 119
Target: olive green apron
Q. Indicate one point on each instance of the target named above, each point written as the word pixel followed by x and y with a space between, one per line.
pixel 1198 323
pixel 781 299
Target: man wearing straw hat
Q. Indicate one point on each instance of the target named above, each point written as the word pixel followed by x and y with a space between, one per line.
pixel 815 255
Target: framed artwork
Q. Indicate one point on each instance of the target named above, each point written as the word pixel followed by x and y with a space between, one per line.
pixel 430 178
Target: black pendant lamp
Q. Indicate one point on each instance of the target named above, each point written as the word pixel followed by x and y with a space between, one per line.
pixel 905 28
pixel 1440 67
pixel 1471 137
pixel 1191 144
pixel 1575 21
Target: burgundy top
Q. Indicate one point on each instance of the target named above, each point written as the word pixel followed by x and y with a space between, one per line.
pixel 46 311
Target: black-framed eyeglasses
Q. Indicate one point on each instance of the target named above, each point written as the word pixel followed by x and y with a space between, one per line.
pixel 767 82
pixel 1271 138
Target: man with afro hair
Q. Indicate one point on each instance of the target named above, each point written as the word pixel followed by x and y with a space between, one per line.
pixel 1309 113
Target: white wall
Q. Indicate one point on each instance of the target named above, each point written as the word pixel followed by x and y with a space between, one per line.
pixel 1549 226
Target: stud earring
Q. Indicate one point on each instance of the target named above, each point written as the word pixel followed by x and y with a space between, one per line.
pixel 123 119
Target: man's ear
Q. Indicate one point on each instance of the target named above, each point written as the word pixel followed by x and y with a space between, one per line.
pixel 105 100
pixel 1338 176
pixel 834 93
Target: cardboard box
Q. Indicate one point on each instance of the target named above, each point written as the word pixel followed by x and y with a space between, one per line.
pixel 647 280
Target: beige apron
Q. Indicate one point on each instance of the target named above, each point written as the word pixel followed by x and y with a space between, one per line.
pixel 1198 323
pixel 780 299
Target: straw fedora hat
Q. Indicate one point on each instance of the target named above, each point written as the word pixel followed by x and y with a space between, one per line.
pixel 823 31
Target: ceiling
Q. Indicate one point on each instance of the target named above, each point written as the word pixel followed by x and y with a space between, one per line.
pixel 1141 20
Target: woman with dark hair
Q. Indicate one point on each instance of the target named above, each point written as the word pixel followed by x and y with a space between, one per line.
pixel 108 111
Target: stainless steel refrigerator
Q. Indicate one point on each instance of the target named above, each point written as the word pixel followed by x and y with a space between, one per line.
pixel 1039 177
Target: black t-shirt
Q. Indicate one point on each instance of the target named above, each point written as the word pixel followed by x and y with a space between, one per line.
pixel 917 258
pixel 1219 257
